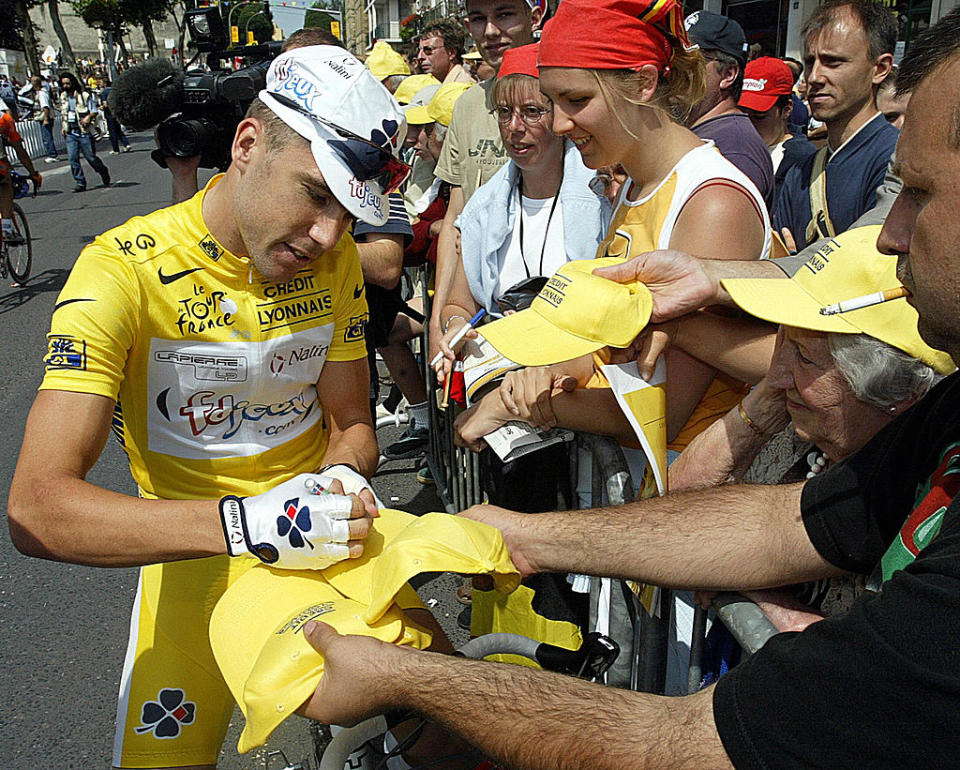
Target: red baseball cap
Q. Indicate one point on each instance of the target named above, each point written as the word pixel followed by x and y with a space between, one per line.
pixel 764 80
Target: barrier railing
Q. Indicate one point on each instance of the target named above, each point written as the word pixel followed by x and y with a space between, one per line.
pixel 29 131
pixel 643 636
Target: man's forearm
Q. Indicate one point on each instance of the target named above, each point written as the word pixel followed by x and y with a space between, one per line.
pixel 356 446
pixel 727 538
pixel 718 269
pixel 539 720
pixel 84 524
pixel 381 259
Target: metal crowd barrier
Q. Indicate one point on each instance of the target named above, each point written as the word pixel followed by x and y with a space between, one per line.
pixel 458 475
pixel 29 130
pixel 746 622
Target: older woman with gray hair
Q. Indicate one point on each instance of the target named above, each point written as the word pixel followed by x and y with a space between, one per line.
pixel 838 377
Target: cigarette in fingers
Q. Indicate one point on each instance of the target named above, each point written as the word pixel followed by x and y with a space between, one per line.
pixel 867 300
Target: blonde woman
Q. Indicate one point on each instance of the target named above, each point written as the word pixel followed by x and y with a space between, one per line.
pixel 618 94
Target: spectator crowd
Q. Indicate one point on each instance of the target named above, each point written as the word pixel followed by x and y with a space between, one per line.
pixel 615 185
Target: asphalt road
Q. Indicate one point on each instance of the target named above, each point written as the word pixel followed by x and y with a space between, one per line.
pixel 63 627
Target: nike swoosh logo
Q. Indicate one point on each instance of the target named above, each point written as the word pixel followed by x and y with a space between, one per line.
pixel 358 292
pixel 69 301
pixel 165 279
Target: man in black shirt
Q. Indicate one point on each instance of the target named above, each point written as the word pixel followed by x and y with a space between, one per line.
pixel 876 687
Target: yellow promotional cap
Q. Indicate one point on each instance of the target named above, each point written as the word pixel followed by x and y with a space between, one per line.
pixel 411 86
pixel 256 633
pixel 440 108
pixel 383 61
pixel 845 267
pixel 576 313
pixel 434 542
pixel 256 627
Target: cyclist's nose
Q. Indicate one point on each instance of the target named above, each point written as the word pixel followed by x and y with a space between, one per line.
pixel 327 229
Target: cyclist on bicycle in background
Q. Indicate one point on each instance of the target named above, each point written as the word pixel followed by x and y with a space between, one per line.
pixel 9 136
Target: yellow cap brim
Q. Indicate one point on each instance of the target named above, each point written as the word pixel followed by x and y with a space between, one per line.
pixel 418 116
pixel 434 542
pixel 530 340
pixel 783 301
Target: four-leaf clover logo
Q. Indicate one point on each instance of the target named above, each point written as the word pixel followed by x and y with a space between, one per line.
pixel 294 522
pixel 164 716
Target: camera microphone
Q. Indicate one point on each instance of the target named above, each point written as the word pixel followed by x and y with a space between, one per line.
pixel 147 93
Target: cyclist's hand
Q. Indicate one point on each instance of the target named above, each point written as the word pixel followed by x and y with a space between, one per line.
pixel 293 527
pixel 356 676
pixel 510 525
pixel 37 181
pixel 352 483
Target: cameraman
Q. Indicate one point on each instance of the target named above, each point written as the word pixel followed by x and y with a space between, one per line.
pixel 222 341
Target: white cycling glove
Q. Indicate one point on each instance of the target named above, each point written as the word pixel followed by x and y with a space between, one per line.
pixel 292 526
pixel 353 482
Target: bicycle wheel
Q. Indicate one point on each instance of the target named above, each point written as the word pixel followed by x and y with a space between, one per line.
pixel 20 255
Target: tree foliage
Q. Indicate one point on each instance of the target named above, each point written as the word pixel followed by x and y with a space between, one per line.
pixel 251 17
pixel 117 14
pixel 317 16
pixel 11 26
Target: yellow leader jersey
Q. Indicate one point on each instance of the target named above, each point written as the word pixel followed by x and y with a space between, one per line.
pixel 213 368
pixel 647 224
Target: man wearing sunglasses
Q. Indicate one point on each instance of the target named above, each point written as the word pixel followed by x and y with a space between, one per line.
pixel 222 340
pixel 440 52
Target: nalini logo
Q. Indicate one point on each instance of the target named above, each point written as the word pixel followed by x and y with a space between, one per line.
pixel 294 522
pixel 164 716
pixel 276 364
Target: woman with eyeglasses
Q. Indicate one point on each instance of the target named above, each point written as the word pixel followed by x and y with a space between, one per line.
pixel 535 214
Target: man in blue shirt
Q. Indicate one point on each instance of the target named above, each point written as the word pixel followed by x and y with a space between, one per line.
pixel 848 47
pixel 716 116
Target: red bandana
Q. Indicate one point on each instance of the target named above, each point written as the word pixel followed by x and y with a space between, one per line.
pixel 623 34
pixel 520 61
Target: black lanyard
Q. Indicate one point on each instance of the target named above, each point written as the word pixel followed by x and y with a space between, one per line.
pixel 546 232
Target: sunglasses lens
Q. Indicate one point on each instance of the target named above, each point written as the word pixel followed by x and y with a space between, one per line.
pixel 394 174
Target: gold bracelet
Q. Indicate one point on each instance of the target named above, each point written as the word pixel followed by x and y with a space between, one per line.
pixel 748 422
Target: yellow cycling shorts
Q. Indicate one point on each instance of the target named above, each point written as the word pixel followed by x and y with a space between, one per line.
pixel 174 707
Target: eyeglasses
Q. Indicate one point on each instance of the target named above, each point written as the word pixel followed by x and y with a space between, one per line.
pixel 429 50
pixel 367 160
pixel 529 114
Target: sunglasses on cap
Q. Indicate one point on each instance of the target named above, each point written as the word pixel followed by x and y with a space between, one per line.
pixel 367 160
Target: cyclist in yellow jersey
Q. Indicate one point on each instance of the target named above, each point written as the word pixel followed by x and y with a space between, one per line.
pixel 222 340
